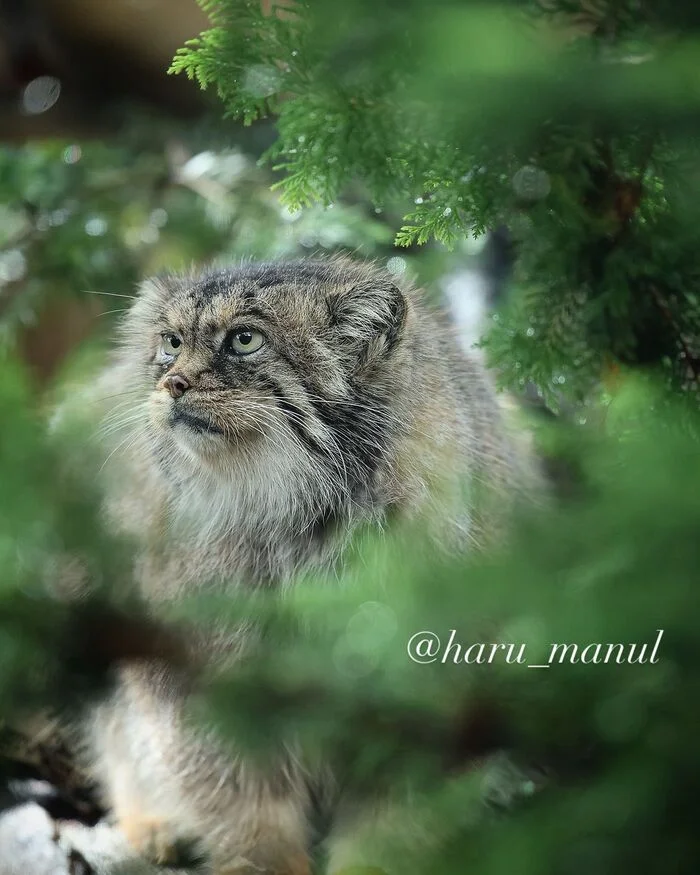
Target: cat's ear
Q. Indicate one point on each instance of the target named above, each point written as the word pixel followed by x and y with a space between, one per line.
pixel 369 318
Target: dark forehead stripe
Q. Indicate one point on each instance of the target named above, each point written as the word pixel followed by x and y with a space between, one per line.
pixel 221 284
pixel 267 275
pixel 248 279
pixel 207 288
pixel 268 279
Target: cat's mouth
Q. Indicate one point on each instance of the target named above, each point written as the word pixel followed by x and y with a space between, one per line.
pixel 198 424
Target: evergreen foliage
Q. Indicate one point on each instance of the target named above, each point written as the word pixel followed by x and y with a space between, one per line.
pixel 573 123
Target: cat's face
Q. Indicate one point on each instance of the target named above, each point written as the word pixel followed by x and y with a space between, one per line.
pixel 244 366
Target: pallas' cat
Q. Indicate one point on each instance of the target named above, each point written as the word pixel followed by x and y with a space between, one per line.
pixel 262 414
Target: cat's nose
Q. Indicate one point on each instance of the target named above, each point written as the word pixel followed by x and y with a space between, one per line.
pixel 176 384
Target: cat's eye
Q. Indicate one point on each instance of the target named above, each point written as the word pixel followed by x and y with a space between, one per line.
pixel 243 341
pixel 171 344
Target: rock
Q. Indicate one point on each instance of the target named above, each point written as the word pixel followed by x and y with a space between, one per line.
pixel 31 843
pixel 28 843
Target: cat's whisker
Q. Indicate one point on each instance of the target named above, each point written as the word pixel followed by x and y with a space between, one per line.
pixel 110 312
pixel 109 294
pixel 125 410
pixel 117 428
pixel 100 399
pixel 130 439
pixel 120 405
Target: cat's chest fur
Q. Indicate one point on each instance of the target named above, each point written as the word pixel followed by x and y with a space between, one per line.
pixel 215 533
pixel 244 557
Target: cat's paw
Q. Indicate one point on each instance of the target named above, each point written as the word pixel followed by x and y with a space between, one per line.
pixel 152 839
